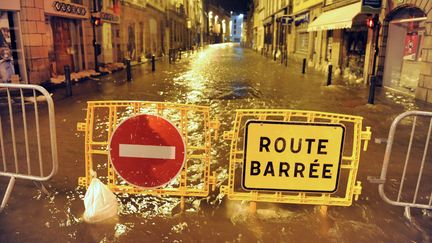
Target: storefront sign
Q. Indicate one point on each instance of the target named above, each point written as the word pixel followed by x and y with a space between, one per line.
pixel 300 5
pixel 287 156
pixel 371 6
pixel 67 10
pixel 285 20
pixel 301 19
pixel 10 5
pixel 110 18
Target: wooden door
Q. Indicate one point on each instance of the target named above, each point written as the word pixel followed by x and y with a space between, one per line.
pixel 62 44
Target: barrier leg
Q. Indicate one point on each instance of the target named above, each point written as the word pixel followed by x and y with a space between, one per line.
pixel 407 213
pixel 182 203
pixel 7 193
pixel 41 187
pixel 323 211
pixel 252 207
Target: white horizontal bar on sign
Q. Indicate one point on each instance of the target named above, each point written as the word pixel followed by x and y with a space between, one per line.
pixel 146 151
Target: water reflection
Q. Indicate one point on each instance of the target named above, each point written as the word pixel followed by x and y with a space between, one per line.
pixel 225 78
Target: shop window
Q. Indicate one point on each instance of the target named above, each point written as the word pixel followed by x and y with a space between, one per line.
pixel 10 60
pixel 355 46
pixel 302 42
pixel 403 64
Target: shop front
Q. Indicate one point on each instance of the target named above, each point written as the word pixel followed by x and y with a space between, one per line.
pixel 405 44
pixel 344 40
pixel 268 35
pixel 302 35
pixel 281 33
pixel 65 36
pixel 110 36
pixel 12 61
pixel 303 13
pixel 354 50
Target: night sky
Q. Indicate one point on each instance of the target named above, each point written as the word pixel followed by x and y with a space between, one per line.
pixel 235 5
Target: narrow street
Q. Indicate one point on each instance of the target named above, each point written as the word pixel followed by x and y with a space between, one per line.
pixel 224 77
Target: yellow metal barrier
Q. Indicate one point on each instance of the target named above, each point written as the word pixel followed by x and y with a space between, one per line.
pixel 348 186
pixel 192 121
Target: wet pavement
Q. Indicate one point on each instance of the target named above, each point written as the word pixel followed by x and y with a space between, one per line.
pixel 224 77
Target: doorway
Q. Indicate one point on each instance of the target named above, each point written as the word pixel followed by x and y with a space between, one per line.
pixel 67 43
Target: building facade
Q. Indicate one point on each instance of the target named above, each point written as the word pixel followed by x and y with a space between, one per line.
pixel 39 38
pixel 218 23
pixel 142 26
pixel 55 34
pixel 343 39
pixel 236 27
pixel 335 32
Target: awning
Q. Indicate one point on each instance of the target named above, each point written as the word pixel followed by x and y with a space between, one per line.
pixel 340 18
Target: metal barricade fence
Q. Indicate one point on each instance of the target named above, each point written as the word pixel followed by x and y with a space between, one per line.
pixel 349 186
pixel 24 145
pixel 194 124
pixel 408 179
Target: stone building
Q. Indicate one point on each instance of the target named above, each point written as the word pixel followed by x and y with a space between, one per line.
pixel 342 39
pixel 218 20
pixel 142 25
pixel 405 53
pixel 40 37
pixel 108 34
pixel 258 27
pixel 56 34
pixel 335 32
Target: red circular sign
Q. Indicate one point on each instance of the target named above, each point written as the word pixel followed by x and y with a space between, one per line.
pixel 147 151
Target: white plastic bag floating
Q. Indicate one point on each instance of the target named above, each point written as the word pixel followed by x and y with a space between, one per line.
pixel 99 202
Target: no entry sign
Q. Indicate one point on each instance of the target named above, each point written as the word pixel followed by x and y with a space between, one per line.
pixel 287 156
pixel 147 151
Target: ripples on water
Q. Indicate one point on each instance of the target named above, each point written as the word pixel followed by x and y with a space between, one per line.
pixel 225 88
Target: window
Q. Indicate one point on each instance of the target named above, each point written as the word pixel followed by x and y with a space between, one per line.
pixel 329 45
pixel 302 42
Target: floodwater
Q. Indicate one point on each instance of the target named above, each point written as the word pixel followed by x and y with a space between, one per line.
pixel 226 77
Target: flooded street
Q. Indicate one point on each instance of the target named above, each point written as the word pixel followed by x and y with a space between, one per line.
pixel 224 77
